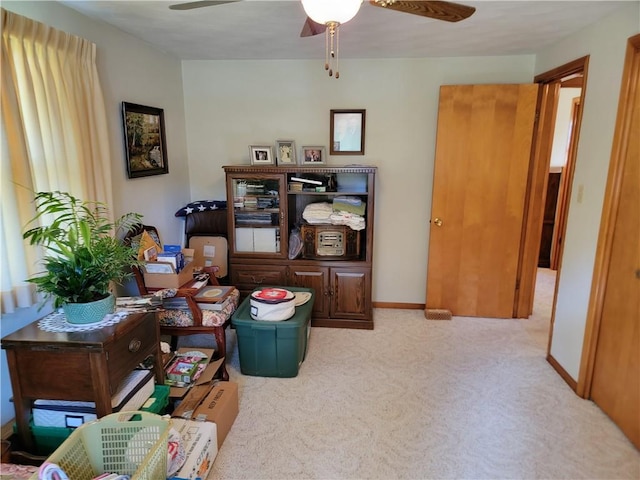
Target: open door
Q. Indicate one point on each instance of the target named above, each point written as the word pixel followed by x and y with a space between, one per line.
pixel 610 373
pixel 483 150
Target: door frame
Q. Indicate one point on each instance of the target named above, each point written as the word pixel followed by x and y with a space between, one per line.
pixel 629 88
pixel 537 189
pixel 563 199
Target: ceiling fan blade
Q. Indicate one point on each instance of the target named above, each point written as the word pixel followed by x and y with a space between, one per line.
pixel 447 11
pixel 199 4
pixel 311 28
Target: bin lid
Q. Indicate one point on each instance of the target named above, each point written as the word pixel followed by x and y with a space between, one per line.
pixel 272 295
pixel 242 315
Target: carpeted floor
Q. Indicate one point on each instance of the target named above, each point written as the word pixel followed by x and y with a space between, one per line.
pixel 470 398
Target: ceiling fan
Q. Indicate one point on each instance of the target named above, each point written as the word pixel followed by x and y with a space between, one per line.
pixel 447 11
pixel 439 10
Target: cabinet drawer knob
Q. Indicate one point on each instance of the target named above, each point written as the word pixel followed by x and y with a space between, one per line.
pixel 134 345
pixel 256 281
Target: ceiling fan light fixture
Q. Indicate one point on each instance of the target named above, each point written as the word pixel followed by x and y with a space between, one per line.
pixel 325 11
pixel 331 13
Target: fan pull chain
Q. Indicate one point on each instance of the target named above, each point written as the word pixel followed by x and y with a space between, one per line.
pixel 331 48
pixel 337 53
pixel 326 49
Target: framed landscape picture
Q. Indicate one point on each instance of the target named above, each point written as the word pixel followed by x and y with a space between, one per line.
pixel 144 140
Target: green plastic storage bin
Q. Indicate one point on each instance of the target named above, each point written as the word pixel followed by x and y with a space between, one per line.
pixel 158 402
pixel 273 349
pixel 48 439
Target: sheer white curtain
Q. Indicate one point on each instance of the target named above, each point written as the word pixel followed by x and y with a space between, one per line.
pixel 54 137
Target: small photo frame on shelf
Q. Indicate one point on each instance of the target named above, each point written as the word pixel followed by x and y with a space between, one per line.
pixel 347 132
pixel 144 140
pixel 285 152
pixel 312 156
pixel 261 154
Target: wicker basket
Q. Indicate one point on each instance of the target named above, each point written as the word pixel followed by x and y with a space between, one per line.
pixel 118 444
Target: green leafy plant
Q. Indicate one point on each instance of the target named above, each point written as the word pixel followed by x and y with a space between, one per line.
pixel 84 254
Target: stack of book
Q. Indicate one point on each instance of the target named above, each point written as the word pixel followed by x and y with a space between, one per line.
pixel 146 303
pixel 208 298
pixel 214 297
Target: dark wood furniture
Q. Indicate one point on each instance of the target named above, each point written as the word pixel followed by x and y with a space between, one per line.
pixel 187 291
pixel 77 366
pixel 219 332
pixel 267 207
pixel 549 217
pixel 207 223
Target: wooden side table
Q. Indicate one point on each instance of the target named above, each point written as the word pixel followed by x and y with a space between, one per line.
pixel 82 366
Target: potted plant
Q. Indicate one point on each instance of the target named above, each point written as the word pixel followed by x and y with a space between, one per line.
pixel 83 254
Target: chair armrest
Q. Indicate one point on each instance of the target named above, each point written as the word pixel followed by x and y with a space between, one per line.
pixel 195 310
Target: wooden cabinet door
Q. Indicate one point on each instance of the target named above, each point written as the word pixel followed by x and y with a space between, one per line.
pixel 256 223
pixel 318 279
pixel 350 289
pixel 483 150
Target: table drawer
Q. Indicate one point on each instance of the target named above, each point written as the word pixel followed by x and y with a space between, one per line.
pixel 131 349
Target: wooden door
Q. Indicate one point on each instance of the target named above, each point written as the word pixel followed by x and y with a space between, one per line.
pixel 349 290
pixel 317 278
pixel 615 386
pixel 483 147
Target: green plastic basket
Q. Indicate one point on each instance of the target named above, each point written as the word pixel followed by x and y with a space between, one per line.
pixel 116 443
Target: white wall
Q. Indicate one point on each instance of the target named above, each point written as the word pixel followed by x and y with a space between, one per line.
pixel 233 104
pixel 605 42
pixel 130 71
pixel 560 146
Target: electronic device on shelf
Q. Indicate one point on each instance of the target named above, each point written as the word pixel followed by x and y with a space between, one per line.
pixel 329 242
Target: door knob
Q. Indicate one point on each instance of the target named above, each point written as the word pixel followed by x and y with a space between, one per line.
pixel 437 221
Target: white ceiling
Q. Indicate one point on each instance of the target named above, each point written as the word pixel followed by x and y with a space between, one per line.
pixel 270 29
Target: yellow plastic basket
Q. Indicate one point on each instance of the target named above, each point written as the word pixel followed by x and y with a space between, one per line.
pixel 116 443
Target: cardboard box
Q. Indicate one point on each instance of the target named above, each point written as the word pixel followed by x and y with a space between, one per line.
pixel 219 405
pixel 205 377
pixel 169 280
pixel 210 251
pixel 200 445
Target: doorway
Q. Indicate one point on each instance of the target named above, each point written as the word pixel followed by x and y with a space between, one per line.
pixel 568 76
pixel 560 164
pixel 556 205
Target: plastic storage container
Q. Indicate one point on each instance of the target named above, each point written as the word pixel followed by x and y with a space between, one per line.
pixel 132 393
pixel 273 349
pixel 159 401
pixel 116 444
pixel 47 439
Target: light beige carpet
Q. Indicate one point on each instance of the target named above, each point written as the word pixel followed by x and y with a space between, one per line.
pixel 469 398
